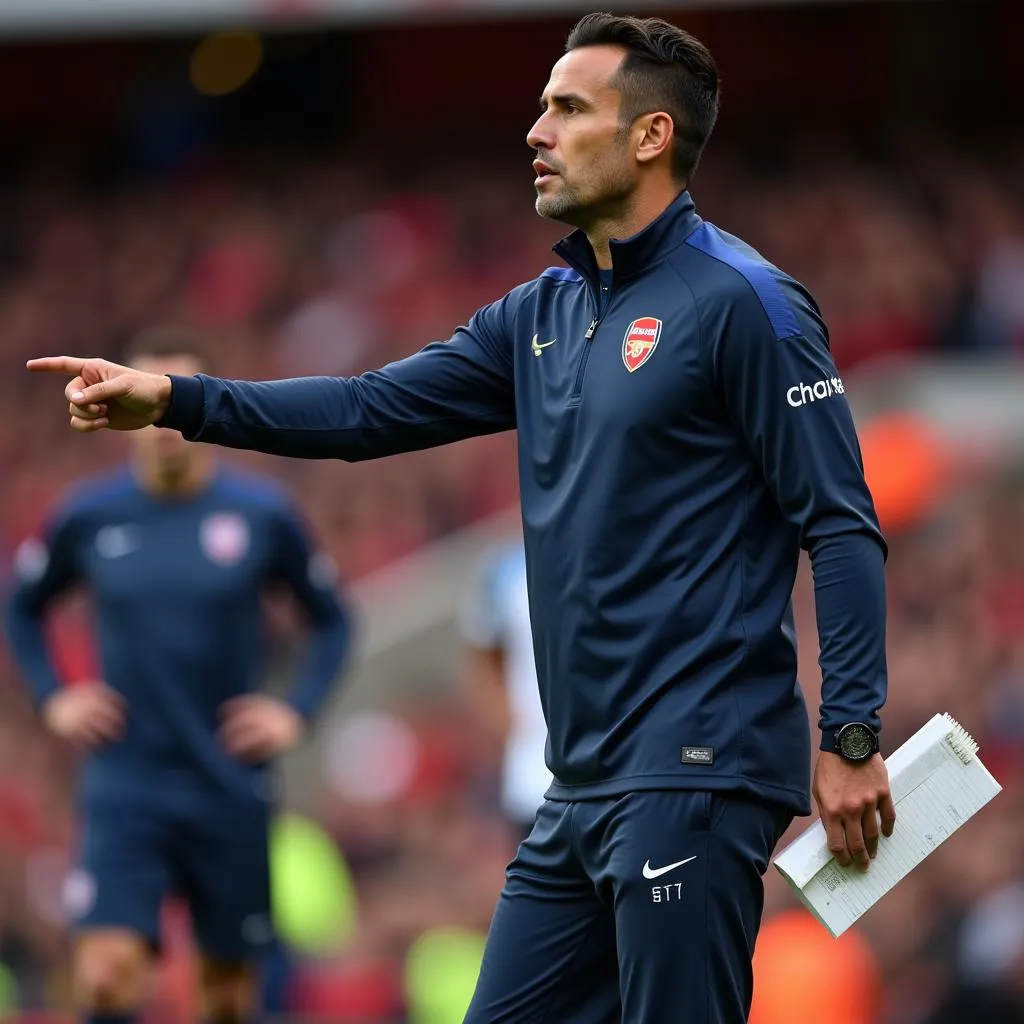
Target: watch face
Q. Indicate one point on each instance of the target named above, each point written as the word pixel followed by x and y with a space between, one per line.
pixel 855 742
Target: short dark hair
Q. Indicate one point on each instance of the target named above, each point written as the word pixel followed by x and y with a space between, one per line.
pixel 164 341
pixel 665 68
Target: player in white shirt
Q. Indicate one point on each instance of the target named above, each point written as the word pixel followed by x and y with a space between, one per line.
pixel 501 675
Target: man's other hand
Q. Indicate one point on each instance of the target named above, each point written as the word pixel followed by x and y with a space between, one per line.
pixel 256 727
pixel 87 715
pixel 103 394
pixel 850 799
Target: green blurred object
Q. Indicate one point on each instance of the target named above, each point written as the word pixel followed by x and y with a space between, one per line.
pixel 8 990
pixel 313 897
pixel 441 969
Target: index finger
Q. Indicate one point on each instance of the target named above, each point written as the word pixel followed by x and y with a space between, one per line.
pixel 72 365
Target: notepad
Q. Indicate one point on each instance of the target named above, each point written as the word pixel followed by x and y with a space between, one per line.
pixel 938 782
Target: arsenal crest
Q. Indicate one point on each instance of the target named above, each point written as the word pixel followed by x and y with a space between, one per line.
pixel 640 341
pixel 224 537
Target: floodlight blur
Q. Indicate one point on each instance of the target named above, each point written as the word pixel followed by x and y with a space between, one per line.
pixel 223 62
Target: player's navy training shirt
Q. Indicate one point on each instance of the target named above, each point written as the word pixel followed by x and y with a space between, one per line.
pixel 677 448
pixel 176 589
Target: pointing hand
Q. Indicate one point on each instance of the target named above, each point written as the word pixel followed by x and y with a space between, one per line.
pixel 104 394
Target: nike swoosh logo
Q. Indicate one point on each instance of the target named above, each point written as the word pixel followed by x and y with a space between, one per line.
pixel 650 872
pixel 537 347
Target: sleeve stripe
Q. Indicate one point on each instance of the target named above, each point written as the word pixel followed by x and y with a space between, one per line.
pixel 758 275
pixel 561 274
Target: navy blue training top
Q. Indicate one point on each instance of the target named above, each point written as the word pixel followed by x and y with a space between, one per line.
pixel 679 445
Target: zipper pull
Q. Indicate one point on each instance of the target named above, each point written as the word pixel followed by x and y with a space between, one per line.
pixel 590 330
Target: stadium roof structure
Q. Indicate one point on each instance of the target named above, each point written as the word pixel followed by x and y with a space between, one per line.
pixel 63 19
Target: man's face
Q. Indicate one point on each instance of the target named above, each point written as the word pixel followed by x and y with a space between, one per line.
pixel 584 163
pixel 164 452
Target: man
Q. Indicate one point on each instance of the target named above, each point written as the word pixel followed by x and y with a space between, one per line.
pixel 176 788
pixel 501 679
pixel 682 434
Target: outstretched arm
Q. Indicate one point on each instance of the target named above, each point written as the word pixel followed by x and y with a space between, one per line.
pixel 446 392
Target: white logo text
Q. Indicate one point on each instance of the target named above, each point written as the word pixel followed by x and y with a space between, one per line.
pixel 803 394
pixel 664 893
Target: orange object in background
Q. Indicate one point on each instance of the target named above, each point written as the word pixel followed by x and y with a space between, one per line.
pixel 907 467
pixel 804 976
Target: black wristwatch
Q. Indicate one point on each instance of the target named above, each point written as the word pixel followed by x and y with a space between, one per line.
pixel 854 742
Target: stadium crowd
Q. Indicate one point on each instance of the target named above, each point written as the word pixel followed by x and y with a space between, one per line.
pixel 318 268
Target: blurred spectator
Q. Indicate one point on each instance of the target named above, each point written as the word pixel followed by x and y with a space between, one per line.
pixel 500 680
pixel 317 271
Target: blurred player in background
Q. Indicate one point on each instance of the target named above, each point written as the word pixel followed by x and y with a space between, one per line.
pixel 501 676
pixel 176 788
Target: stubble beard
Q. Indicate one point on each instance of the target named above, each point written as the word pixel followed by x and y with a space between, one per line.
pixel 568 206
pixel 559 206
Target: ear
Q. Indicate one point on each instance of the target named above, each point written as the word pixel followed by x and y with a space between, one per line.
pixel 654 134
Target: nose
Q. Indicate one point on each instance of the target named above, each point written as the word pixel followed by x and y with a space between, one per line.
pixel 540 135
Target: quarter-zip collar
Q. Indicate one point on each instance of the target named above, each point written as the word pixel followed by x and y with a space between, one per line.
pixel 637 253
